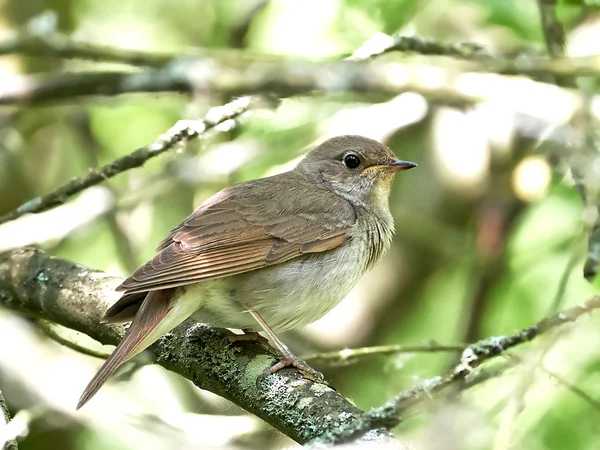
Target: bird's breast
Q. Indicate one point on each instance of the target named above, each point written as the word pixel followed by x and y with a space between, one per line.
pixel 288 295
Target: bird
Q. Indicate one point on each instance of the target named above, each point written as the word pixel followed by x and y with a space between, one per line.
pixel 269 254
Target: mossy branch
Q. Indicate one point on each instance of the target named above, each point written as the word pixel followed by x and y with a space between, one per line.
pixel 76 297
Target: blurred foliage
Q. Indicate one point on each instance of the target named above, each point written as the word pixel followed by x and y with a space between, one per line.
pixel 426 289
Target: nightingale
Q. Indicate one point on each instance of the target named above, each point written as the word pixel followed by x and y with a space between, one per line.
pixel 269 254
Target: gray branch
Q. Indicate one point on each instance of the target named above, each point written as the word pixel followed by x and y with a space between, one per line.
pixel 236 73
pixel 60 46
pixel 54 44
pixel 75 296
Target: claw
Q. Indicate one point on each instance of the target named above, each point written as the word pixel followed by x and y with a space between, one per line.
pixel 290 360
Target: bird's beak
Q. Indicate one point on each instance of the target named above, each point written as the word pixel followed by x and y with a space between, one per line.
pixel 396 166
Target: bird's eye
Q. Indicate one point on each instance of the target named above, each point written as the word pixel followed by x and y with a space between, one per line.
pixel 351 161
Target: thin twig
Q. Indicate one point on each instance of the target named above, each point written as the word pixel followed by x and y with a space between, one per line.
pixel 554 34
pixel 182 130
pixel 517 400
pixel 564 278
pixel 583 177
pixel 60 46
pixel 381 43
pixel 240 30
pixel 475 378
pixel 573 388
pixel 50 330
pixel 391 413
pixel 380 350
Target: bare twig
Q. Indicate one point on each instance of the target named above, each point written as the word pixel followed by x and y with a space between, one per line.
pixel 60 46
pixel 347 355
pixel 564 278
pixel 474 379
pixel 50 330
pixel 554 34
pixel 381 43
pixel 183 130
pixel 582 166
pixel 391 413
pixel 238 74
pixel 239 31
pixel 517 400
pixel 573 388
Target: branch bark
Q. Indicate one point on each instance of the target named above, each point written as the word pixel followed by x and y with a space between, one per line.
pixel 75 296
pixel 461 82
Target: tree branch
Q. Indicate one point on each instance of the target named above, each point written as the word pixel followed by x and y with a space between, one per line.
pixel 182 130
pixel 74 296
pixel 238 74
pixel 554 34
pixel 55 43
pixel 60 46
pixel 381 43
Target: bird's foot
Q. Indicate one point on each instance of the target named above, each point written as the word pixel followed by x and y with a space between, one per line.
pixel 290 360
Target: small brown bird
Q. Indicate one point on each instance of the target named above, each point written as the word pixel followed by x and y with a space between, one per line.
pixel 273 254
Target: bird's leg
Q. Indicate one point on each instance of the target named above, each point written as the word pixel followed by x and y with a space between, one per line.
pixel 288 358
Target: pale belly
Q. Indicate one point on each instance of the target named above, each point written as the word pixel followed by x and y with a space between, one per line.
pixel 288 295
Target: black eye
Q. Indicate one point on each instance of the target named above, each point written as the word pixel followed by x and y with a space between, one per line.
pixel 351 161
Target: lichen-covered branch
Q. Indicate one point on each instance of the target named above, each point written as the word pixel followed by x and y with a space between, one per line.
pixel 11 444
pixel 182 130
pixel 76 297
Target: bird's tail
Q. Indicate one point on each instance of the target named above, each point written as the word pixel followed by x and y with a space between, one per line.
pixel 159 313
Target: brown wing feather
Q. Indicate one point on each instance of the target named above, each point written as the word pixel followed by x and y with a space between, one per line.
pixel 246 227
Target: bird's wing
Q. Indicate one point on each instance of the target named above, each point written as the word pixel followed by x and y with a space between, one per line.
pixel 246 227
